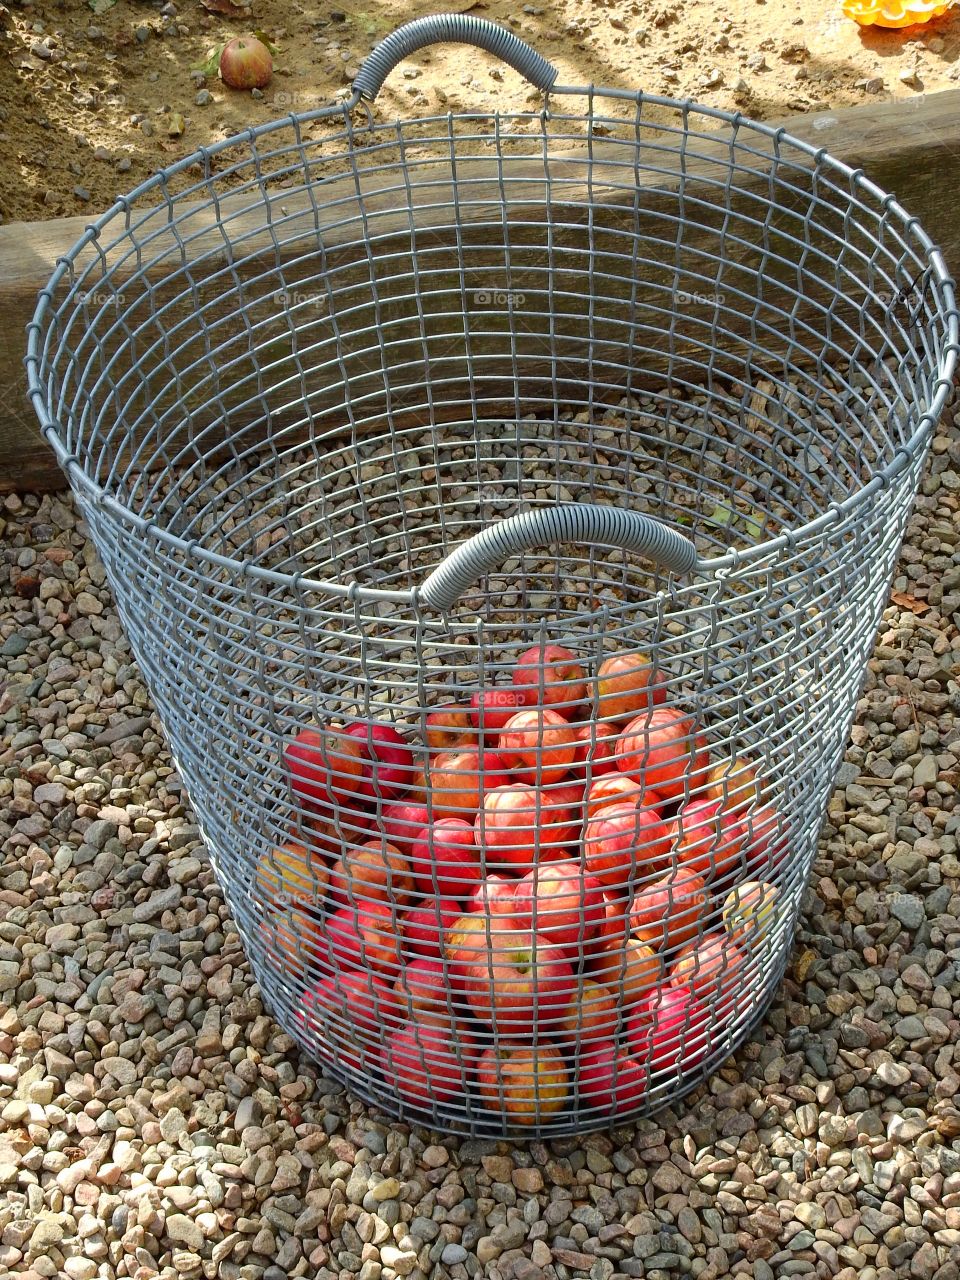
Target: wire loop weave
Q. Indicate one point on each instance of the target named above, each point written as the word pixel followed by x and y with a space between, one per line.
pixel 638 394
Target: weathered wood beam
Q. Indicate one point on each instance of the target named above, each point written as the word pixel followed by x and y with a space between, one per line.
pixel 911 149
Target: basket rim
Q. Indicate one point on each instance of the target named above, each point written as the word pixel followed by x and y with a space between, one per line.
pixel 731 560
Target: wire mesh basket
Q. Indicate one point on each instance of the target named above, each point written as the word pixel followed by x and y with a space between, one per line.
pixel 501 508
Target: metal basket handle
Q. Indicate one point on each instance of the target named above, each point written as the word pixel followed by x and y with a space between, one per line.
pixel 549 526
pixel 451 28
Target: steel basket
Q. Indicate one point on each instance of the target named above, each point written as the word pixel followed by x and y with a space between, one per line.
pixel 602 419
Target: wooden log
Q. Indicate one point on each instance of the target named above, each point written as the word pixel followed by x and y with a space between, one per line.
pixel 311 291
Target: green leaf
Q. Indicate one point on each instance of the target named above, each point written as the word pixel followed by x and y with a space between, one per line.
pixel 101 6
pixel 721 516
pixel 212 64
pixel 264 39
pixel 751 526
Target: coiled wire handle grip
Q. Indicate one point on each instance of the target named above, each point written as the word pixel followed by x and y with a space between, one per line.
pixel 549 526
pixel 451 28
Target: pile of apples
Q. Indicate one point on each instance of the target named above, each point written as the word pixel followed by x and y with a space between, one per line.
pixel 555 895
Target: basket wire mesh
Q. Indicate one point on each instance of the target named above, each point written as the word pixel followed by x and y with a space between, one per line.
pixel 366 418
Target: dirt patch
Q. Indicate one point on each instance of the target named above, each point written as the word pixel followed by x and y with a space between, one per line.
pixel 87 99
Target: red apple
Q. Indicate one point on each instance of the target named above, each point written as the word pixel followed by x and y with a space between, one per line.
pixel 449 728
pixel 626 684
pixel 402 823
pixel 365 938
pixel 623 844
pixel 388 760
pixel 617 788
pixel 671 911
pixel 591 1018
pixel 420 987
pixel 375 871
pixel 493 772
pixel 421 1067
pixel 466 939
pixel 562 818
pixel 457 1034
pixel 550 676
pixel 614 930
pixel 561 903
pixel 352 1014
pixel 445 858
pixel 706 838
pixel 526 1083
pixel 662 750
pixel 630 969
pixel 712 968
pixel 670 1029
pixel 492 708
pixel 515 981
pixel 245 63
pixel 538 744
pixel 518 825
pixel 611 1080
pixel 766 838
pixel 493 896
pixel 323 766
pixel 424 927
pixel 329 829
pixel 417 787
pixel 453 778
pixel 593 756
pixel 459 779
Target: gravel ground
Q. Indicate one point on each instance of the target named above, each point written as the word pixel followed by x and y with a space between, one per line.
pixel 154 1120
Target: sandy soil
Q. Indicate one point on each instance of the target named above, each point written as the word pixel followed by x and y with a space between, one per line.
pixel 86 99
